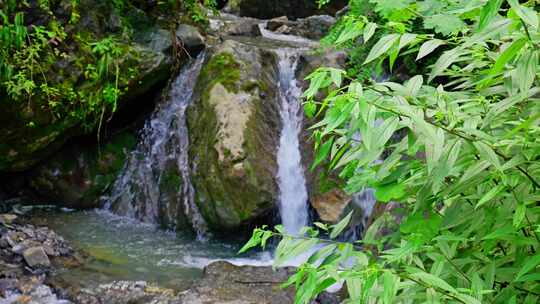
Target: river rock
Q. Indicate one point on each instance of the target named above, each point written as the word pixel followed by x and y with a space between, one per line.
pixel 36 256
pixel 7 219
pixel 234 131
pixel 226 283
pixel 330 205
pixel 313 27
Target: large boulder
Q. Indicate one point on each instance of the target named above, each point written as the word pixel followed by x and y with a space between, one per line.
pixel 267 9
pixel 234 132
pixel 226 283
pixel 81 172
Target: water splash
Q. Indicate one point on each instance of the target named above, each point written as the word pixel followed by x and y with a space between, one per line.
pixel 293 194
pixel 161 153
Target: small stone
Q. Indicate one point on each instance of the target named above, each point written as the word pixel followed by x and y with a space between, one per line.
pixel 19 248
pixel 7 219
pixel 36 256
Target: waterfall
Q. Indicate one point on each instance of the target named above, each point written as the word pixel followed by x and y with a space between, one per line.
pixel 293 196
pixel 161 157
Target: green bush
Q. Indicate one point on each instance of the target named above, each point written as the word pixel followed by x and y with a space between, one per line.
pixel 462 151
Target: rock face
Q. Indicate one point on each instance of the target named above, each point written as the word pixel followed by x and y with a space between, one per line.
pixel 267 9
pixel 234 131
pixel 31 132
pixel 80 173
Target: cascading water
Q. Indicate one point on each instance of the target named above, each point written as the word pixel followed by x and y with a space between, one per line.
pixel 162 152
pixel 293 194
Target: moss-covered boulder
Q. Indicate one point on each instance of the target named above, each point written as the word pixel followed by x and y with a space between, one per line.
pixel 79 174
pixel 234 132
pixel 129 40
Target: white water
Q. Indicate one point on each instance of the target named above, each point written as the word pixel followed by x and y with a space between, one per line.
pixel 163 146
pixel 293 194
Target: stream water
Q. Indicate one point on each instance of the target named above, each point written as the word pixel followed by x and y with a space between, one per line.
pixel 120 248
pixel 163 148
pixel 128 245
pixel 293 195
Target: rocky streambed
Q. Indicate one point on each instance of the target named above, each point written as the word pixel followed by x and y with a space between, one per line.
pixel 39 265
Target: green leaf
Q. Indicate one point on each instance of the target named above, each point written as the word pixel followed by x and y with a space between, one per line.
pixel 336 76
pixel 322 152
pixel 489 11
pixel 508 54
pixel 369 30
pixel 488 154
pixel 428 47
pixel 526 70
pixel 519 215
pixel 445 24
pixel 502 231
pixel 444 62
pixel 389 287
pixel 414 84
pixel 489 195
pixel 386 193
pixel 383 45
pixel 310 109
pixel 338 228
pixel 433 281
pixel 350 32
pixel 528 15
pixel 529 265
pixel 354 287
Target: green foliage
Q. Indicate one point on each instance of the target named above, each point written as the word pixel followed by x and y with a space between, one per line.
pixel 456 146
pixel 30 53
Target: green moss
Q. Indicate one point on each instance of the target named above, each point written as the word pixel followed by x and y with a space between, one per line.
pixel 224 69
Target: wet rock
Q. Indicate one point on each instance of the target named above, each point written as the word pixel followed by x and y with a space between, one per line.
pixel 226 283
pixel 78 175
pixel 36 256
pixel 313 27
pixel 31 132
pixel 7 219
pixel 230 25
pixel 330 205
pixel 25 264
pixel 190 37
pixel 223 282
pixel 234 133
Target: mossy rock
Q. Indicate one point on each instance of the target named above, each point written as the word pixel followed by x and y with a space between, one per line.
pixel 79 174
pixel 32 129
pixel 234 133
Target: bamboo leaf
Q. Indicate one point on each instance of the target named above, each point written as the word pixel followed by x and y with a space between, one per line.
pixel 529 16
pixel 339 227
pixel 489 11
pixel 529 265
pixel 428 47
pixel 383 45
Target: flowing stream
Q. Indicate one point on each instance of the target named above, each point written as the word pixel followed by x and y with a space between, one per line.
pixel 293 196
pixel 162 151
